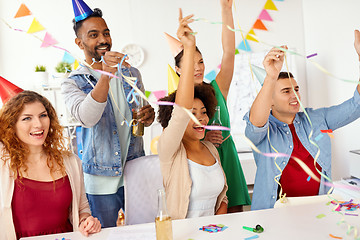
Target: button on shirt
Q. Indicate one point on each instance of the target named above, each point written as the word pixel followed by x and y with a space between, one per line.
pixel 265 188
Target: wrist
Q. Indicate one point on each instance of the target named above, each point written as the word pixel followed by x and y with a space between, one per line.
pixel 82 220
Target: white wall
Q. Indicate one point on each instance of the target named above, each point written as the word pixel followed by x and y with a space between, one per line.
pixel 136 21
pixel 327 31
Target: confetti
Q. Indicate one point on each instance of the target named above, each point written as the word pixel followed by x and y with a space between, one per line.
pixel 252 237
pixel 320 216
pixel 335 236
pixel 213 228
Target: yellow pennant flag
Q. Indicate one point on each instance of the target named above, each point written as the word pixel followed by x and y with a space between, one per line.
pixel 35 27
pixel 76 64
pixel 269 5
pixel 173 80
pixel 251 38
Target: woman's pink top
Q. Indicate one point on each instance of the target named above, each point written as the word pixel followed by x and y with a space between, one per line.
pixel 41 208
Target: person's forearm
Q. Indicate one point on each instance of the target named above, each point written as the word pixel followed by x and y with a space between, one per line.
pixel 228 36
pixel 185 90
pixel 100 92
pixel 225 75
pixel 260 109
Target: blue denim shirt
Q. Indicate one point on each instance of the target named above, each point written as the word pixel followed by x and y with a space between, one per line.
pixel 101 146
pixel 265 188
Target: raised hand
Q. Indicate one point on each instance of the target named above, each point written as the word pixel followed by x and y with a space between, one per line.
pixel 273 62
pixel 184 32
pixel 357 42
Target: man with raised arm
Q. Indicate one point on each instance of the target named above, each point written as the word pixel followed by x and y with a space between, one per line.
pixel 100 104
pixel 274 124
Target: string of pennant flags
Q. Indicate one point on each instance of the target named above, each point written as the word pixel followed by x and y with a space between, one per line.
pixel 50 41
pixel 258 25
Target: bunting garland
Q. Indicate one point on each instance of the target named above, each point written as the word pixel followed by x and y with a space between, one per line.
pixel 48 40
pixel 251 36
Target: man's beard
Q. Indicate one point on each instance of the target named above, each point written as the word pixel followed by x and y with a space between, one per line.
pixel 94 54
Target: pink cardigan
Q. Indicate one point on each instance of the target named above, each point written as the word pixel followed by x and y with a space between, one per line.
pixel 174 165
pixel 79 202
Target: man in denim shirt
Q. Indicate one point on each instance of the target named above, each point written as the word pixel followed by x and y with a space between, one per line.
pixel 274 123
pixel 99 104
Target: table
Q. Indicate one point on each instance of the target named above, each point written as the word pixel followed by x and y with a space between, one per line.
pixel 292 222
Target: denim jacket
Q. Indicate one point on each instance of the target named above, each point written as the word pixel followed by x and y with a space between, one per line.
pixel 99 135
pixel 265 188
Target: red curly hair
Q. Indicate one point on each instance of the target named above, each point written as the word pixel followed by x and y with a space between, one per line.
pixel 14 149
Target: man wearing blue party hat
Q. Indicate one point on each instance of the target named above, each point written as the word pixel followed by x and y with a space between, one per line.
pixel 100 104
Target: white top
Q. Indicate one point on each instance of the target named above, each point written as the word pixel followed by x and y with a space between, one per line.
pixel 207 184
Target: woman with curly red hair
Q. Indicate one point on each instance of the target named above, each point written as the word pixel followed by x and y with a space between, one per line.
pixel 41 183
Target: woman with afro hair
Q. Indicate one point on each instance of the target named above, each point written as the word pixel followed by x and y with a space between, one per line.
pixel 193 178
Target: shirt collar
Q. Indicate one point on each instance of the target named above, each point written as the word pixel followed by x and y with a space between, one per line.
pixel 282 124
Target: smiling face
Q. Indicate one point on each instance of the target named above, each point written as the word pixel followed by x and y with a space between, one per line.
pixel 284 102
pixel 94 38
pixel 199 68
pixel 33 124
pixel 194 131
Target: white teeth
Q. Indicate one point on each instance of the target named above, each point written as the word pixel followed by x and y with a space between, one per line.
pixel 39 132
pixel 294 103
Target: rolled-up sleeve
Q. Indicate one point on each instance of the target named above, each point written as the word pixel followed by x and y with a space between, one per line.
pixel 253 133
pixel 344 113
pixel 83 107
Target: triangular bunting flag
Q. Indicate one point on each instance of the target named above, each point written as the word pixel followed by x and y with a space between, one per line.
pixel 259 72
pixel 269 5
pixel 68 58
pixel 244 47
pixel 76 64
pixel 219 67
pixel 147 94
pixel 236 51
pixel 48 41
pixel 251 38
pixel 259 25
pixel 264 15
pixel 159 94
pixel 23 11
pixel 211 75
pixel 173 80
pixel 35 27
